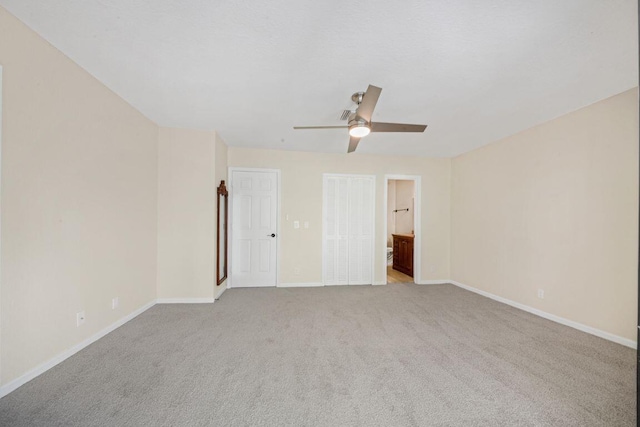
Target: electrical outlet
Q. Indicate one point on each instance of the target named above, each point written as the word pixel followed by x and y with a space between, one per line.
pixel 80 318
pixel 432 269
pixel 541 293
pixel 306 224
pixel 296 224
pixel 115 303
pixel 296 271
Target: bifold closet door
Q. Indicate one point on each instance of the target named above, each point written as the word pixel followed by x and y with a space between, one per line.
pixel 360 231
pixel 348 230
pixel 336 256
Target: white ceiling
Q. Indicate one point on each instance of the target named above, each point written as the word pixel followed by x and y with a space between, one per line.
pixel 474 71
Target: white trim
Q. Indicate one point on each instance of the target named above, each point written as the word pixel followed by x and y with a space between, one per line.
pixel 433 282
pixel 40 369
pixel 324 227
pixel 417 221
pixel 320 285
pixel 385 229
pixel 331 285
pixel 373 238
pixel 224 288
pixel 300 285
pixel 378 283
pixel 230 171
pixel 0 209
pixel 579 326
pixel 373 220
pixel 185 300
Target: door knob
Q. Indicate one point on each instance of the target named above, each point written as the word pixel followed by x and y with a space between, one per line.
pixel 271 235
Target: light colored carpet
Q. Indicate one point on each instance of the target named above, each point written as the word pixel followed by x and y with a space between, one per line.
pixel 385 355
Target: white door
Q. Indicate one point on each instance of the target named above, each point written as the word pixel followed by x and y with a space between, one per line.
pixel 254 198
pixel 348 230
pixel 336 222
pixel 361 231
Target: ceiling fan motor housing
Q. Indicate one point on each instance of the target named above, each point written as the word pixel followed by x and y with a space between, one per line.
pixel 358 127
pixel 354 120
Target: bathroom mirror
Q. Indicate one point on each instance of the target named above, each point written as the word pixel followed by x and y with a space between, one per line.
pixel 223 209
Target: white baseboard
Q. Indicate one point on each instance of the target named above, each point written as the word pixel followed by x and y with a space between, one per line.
pixel 432 282
pixel 224 288
pixel 25 378
pixel 378 283
pixel 300 285
pixel 313 284
pixel 579 326
pixel 185 300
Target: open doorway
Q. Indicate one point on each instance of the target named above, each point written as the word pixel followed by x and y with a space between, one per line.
pixel 402 246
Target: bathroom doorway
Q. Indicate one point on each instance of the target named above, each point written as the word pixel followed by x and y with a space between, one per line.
pixel 402 223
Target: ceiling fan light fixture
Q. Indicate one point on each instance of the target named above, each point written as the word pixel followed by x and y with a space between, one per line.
pixel 359 129
pixel 359 121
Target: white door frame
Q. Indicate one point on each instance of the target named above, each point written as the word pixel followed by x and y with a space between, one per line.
pixel 1 326
pixel 417 208
pixel 230 226
pixel 324 227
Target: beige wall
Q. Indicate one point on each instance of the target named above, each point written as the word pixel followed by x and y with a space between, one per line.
pixel 555 208
pixel 301 199
pixel 404 200
pixel 186 214
pixel 78 202
pixel 391 206
pixel 221 174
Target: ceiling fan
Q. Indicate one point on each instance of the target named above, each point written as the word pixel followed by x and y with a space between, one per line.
pixel 360 124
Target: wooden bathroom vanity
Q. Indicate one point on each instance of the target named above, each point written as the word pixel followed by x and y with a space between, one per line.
pixel 403 253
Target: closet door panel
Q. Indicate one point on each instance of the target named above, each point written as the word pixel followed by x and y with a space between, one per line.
pixel 348 230
pixel 336 255
pixel 330 232
pixel 360 230
pixel 355 208
pixel 342 215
